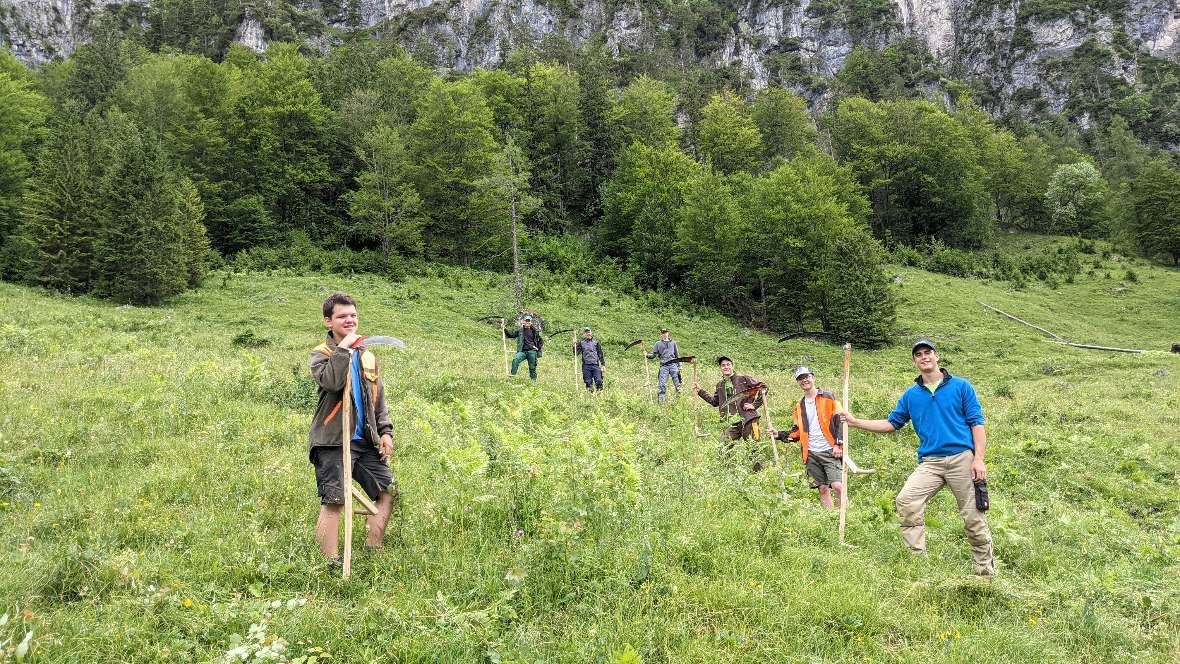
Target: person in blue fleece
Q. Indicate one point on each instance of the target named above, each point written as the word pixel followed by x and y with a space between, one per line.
pixel 949 423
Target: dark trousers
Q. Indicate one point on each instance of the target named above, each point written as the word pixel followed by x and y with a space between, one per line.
pixel 592 376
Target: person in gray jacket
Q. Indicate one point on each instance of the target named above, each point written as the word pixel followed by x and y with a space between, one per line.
pixel 593 360
pixel 666 349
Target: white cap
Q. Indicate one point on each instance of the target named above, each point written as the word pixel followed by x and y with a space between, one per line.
pixel 802 371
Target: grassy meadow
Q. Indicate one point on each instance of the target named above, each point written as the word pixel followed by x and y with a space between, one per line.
pixel 156 503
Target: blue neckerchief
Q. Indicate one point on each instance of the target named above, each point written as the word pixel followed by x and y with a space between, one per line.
pixel 357 399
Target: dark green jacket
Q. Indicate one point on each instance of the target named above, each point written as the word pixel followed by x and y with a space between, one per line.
pixel 519 336
pixel 329 367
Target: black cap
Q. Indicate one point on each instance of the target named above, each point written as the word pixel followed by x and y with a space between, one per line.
pixel 663 330
pixel 723 358
pixel 922 342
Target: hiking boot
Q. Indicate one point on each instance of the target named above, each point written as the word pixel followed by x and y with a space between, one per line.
pixel 332 565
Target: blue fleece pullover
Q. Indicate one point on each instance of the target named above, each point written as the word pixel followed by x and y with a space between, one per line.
pixel 943 418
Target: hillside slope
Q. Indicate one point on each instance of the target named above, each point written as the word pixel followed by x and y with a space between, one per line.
pixel 156 501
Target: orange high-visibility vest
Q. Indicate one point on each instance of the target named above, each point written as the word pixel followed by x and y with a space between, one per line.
pixel 826 404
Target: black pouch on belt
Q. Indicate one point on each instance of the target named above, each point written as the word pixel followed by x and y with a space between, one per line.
pixel 981 502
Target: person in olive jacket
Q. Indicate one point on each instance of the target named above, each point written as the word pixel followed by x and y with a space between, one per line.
pixel 372 435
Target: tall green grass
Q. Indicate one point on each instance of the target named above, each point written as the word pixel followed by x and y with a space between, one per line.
pixel 156 502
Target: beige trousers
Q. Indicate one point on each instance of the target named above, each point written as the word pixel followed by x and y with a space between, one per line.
pixel 926 480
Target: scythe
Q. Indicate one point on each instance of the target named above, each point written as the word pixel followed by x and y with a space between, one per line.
pixel 352 492
pixel 646 370
pixel 696 408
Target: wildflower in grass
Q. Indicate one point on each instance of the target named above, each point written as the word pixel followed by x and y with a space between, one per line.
pixel 188 603
pixel 36 503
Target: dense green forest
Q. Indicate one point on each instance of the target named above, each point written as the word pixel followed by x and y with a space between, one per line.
pixel 131 168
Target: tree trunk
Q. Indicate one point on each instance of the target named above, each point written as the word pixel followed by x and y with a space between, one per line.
pixel 518 286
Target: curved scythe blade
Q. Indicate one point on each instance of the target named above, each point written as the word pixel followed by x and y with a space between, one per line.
pixel 795 335
pixel 687 359
pixel 748 392
pixel 381 340
pixel 633 344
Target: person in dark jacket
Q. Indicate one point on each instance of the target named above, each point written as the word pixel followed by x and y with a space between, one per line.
pixel 738 412
pixel 372 437
pixel 664 350
pixel 593 360
pixel 528 346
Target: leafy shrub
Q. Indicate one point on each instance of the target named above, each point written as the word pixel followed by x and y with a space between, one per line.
pixel 572 260
pixel 907 255
pixel 299 255
pixel 955 262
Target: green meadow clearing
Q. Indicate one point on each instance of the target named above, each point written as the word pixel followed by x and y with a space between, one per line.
pixel 156 503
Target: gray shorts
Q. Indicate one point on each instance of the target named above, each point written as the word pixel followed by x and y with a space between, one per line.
pixel 368 470
pixel 823 468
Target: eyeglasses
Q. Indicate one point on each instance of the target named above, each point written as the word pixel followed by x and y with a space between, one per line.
pixel 802 378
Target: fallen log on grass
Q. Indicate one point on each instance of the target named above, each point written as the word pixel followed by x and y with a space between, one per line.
pixel 1109 348
pixel 1057 339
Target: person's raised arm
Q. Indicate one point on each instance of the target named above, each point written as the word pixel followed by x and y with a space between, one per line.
pixel 709 398
pixel 876 426
pixel 896 420
pixel 328 371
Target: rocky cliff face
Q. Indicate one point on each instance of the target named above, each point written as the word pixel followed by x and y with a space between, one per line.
pixel 1022 55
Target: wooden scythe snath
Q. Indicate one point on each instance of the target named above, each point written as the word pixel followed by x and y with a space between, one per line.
pixel 696 407
pixel 364 506
pixel 845 455
pixel 574 349
pixel 504 345
pixel 782 470
pixel 646 369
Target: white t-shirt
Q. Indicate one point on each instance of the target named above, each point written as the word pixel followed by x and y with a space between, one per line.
pixel 816 440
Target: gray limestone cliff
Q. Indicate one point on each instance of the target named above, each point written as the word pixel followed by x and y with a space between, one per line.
pixel 1020 53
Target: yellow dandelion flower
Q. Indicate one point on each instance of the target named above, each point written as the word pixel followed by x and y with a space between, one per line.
pixel 187 602
pixel 36 503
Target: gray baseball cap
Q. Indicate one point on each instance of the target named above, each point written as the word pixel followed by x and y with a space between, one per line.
pixel 803 371
pixel 922 342
pixel 528 318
